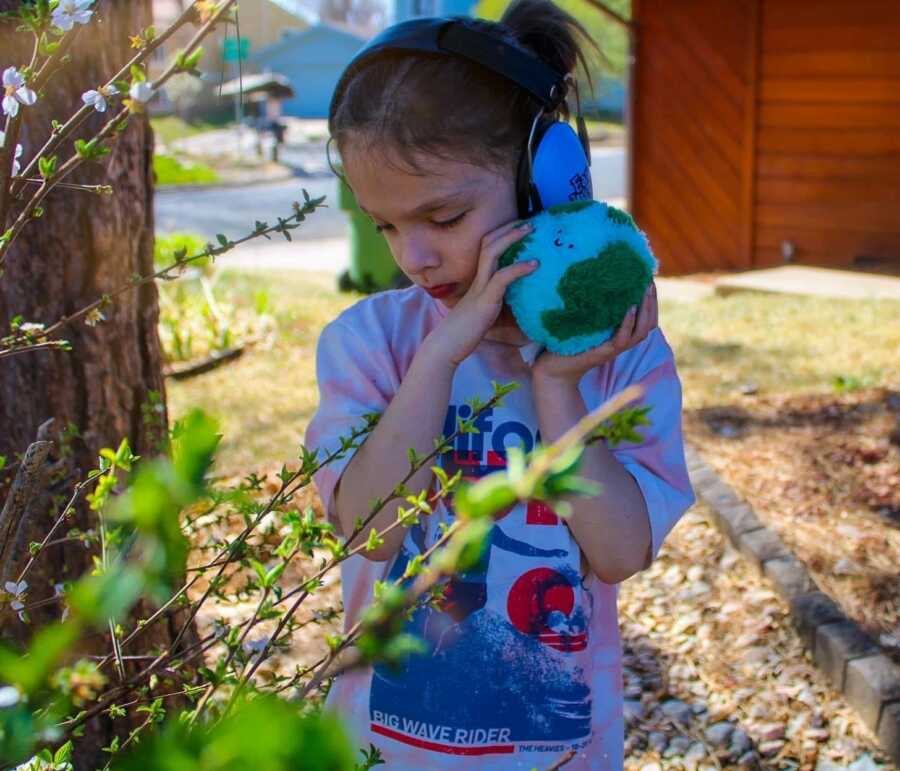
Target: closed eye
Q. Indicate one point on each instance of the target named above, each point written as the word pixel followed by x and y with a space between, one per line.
pixel 445 224
pixel 451 222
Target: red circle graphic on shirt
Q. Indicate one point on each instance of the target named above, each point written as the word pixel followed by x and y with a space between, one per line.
pixel 533 597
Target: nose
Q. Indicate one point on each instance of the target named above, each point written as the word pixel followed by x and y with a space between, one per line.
pixel 417 254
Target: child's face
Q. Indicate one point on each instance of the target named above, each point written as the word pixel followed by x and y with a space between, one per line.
pixel 434 221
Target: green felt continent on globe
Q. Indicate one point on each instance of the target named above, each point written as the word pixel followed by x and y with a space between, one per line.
pixel 594 265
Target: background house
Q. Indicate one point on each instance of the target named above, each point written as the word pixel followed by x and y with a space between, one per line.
pixel 312 60
pixel 263 22
pixel 767 131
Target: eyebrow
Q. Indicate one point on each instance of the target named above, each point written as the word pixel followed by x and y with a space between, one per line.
pixel 428 206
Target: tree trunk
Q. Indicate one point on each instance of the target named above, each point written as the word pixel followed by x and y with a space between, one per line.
pixel 110 385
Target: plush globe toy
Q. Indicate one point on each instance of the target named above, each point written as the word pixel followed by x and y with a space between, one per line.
pixel 594 265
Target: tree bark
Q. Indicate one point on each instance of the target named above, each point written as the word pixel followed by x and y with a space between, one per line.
pixel 83 246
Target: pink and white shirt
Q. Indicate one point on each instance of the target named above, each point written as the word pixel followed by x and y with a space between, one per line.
pixel 524 659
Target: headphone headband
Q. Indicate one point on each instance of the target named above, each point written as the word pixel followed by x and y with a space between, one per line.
pixel 453 35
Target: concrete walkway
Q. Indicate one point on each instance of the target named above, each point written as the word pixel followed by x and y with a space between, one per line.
pixel 817 282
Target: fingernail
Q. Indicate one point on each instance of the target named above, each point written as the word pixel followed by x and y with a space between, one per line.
pixel 534 263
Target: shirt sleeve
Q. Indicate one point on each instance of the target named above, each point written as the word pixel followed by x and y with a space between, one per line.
pixel 657 463
pixel 355 375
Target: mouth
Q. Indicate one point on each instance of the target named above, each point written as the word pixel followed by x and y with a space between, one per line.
pixel 441 290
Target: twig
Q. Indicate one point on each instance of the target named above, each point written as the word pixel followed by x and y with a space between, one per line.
pixel 206 364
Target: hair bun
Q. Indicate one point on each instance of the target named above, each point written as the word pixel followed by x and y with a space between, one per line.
pixel 547 31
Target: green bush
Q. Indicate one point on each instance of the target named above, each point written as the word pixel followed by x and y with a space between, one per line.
pixel 172 171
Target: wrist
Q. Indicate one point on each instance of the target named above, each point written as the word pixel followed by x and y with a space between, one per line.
pixel 436 355
pixel 552 385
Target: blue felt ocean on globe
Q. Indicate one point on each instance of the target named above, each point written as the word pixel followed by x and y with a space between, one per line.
pixel 594 265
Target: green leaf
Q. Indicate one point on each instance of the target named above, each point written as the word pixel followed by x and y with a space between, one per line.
pixel 275 573
pixel 374 540
pixel 489 495
pixel 47 647
pixel 260 570
pixel 47 166
pixel 108 595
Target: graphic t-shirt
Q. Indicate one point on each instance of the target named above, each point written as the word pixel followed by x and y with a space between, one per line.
pixel 523 659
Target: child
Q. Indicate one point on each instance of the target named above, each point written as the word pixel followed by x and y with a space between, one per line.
pixel 524 656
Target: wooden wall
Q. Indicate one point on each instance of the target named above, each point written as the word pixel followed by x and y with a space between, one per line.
pixel 828 131
pixel 759 122
pixel 691 131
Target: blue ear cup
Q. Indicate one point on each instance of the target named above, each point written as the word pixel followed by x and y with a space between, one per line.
pixel 559 171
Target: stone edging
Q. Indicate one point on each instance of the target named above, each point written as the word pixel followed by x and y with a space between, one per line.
pixel 852 661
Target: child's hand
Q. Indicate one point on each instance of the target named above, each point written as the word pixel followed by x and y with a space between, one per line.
pixel 569 370
pixel 469 320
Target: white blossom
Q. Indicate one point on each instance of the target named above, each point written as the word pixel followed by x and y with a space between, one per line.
pixel 71 12
pixel 15 92
pixel 17 590
pixel 254 648
pixel 16 155
pixel 31 328
pixel 141 91
pixel 9 697
pixel 59 590
pixel 97 98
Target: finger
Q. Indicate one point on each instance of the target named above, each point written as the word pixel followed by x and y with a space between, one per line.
pixel 489 238
pixel 625 330
pixel 642 324
pixel 655 307
pixel 490 253
pixel 505 276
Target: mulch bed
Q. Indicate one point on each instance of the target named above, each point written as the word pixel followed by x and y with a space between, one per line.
pixel 823 471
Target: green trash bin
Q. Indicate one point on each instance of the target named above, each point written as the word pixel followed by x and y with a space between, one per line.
pixel 372 266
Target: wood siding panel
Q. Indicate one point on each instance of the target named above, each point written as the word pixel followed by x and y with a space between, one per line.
pixel 830 89
pixel 832 116
pixel 828 140
pixel 689 127
pixel 861 36
pixel 818 167
pixel 821 246
pixel 854 64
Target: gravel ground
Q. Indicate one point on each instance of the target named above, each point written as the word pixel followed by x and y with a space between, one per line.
pixel 716 676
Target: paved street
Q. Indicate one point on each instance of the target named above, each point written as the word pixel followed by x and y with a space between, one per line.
pixel 233 211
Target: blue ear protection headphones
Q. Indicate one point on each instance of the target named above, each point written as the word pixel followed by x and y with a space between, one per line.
pixel 554 166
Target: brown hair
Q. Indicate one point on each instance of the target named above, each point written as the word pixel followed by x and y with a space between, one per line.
pixel 439 104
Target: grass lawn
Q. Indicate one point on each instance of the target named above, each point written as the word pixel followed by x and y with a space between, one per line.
pixel 169 170
pixel 169 128
pixel 782 345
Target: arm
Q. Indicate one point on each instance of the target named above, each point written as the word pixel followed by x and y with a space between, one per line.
pixel 612 528
pixel 414 418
